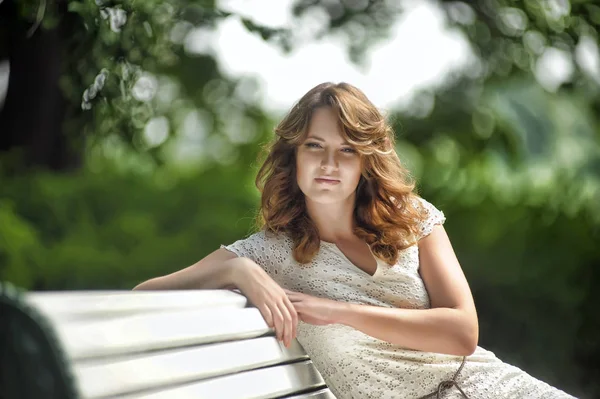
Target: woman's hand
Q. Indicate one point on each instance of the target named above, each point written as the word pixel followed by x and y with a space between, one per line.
pixel 269 298
pixel 313 310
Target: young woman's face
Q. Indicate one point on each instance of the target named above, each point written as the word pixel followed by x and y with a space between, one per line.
pixel 327 168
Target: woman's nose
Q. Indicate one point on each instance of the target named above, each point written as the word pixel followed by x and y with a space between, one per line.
pixel 329 160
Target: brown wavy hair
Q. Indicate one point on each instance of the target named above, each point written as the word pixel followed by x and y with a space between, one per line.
pixel 387 213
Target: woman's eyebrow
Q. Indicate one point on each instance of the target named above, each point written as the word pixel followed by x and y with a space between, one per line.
pixel 323 140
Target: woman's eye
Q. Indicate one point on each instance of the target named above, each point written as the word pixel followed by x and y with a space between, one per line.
pixel 347 150
pixel 313 145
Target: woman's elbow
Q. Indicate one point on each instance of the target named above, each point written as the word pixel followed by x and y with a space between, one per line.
pixel 470 340
pixel 468 348
pixel 139 287
pixel 145 286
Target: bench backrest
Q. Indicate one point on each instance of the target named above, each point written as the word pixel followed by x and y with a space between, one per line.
pixel 171 344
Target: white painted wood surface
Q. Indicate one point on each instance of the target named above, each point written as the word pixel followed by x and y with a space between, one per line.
pixel 175 344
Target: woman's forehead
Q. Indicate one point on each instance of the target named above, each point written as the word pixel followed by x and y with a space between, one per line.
pixel 325 126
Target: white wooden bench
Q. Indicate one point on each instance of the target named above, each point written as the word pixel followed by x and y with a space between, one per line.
pixel 155 345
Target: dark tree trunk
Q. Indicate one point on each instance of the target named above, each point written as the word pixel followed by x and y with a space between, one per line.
pixel 31 121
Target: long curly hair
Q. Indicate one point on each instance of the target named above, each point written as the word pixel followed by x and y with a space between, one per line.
pixel 387 212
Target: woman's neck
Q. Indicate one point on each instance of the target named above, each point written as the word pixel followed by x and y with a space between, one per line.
pixel 335 222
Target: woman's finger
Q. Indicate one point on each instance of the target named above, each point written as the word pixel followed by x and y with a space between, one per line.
pixel 267 315
pixel 287 324
pixel 294 315
pixel 292 294
pixel 278 321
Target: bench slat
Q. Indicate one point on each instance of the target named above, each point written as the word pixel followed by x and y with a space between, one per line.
pixel 110 377
pixel 77 305
pixel 174 344
pixel 126 335
pixel 320 394
pixel 271 382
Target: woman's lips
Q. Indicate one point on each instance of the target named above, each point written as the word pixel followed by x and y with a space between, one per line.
pixel 327 181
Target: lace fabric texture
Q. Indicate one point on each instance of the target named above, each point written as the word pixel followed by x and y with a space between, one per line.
pixel 358 366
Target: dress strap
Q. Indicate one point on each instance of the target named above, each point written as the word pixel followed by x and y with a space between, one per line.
pixel 447 384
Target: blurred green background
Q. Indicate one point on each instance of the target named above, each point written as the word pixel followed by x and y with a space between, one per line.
pixel 125 156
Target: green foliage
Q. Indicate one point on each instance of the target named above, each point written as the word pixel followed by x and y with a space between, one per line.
pixel 124 52
pixel 20 246
pixel 113 230
pixel 516 144
pixel 126 65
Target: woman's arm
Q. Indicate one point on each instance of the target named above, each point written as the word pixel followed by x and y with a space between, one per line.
pixel 450 326
pixel 224 269
pixel 439 330
pixel 215 271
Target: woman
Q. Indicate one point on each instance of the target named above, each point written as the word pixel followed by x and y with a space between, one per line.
pixel 356 265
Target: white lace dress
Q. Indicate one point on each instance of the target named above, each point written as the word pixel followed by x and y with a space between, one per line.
pixel 358 366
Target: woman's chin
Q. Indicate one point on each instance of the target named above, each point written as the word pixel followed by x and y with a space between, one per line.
pixel 328 197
